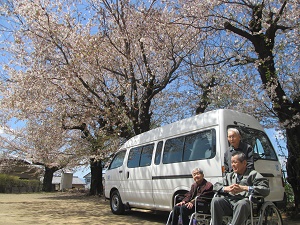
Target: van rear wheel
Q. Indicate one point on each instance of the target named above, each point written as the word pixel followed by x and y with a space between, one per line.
pixel 116 204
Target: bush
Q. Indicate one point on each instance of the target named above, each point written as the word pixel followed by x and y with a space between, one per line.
pixel 289 193
pixel 9 184
pixel 35 185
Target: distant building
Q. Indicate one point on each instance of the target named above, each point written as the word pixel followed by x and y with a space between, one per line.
pixel 20 167
pixel 87 179
pixel 88 176
pixel 77 183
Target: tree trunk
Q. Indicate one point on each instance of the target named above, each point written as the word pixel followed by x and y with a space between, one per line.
pixel 285 108
pixel 293 162
pixel 47 182
pixel 96 177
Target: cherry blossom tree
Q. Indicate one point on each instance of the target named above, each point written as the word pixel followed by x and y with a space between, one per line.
pixel 96 65
pixel 99 66
pixel 43 143
pixel 259 42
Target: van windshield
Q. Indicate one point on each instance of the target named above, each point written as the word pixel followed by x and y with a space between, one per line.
pixel 117 160
pixel 262 147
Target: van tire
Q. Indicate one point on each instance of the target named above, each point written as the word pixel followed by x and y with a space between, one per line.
pixel 116 204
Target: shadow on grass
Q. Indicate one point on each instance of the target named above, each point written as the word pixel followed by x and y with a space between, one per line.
pixel 76 209
pixel 63 208
pixel 98 206
pixel 72 196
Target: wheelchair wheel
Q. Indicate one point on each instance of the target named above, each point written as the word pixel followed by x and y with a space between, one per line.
pixel 270 215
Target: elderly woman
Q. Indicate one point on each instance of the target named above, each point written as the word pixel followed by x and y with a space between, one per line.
pixel 201 187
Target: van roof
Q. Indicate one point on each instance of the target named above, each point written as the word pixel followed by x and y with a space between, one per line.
pixel 204 120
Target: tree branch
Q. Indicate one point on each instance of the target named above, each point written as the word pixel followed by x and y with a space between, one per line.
pixel 238 31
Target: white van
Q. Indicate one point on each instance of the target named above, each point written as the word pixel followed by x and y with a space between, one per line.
pixel 151 168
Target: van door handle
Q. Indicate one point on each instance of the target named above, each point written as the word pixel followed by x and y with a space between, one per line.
pixel 127 174
pixel 120 171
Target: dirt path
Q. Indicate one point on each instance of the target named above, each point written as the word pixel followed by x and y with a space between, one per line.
pixel 70 209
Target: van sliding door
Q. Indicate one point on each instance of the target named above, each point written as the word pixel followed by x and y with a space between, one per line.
pixel 139 176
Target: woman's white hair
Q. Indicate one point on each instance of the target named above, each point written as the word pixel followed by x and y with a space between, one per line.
pixel 199 170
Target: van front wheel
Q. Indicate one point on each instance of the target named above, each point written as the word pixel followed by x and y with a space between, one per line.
pixel 116 204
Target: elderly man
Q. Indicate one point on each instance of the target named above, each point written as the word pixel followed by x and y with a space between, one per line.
pixel 201 187
pixel 234 139
pixel 238 184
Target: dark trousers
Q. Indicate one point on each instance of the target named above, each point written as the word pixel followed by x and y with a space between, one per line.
pixel 184 212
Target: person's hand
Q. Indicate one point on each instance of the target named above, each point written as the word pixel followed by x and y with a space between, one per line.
pixel 235 188
pixel 228 189
pixel 180 203
pixel 189 205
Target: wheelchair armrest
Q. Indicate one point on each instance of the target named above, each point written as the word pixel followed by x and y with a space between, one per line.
pixel 220 193
pixel 256 198
pixel 202 204
pixel 178 198
pixel 256 202
pixel 204 198
pixel 253 197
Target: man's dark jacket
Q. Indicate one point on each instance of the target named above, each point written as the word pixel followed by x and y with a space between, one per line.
pixel 243 147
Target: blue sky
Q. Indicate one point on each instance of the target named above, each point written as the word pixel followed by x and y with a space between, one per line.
pixel 81 172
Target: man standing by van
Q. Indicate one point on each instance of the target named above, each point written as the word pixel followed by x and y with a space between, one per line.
pixel 234 139
pixel 201 187
pixel 238 184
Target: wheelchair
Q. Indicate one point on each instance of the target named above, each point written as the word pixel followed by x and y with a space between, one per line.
pixel 201 215
pixel 262 212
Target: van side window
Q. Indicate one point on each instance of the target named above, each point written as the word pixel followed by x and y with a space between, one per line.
pixel 198 145
pixel 158 153
pixel 118 160
pixel 173 150
pixel 140 156
pixel 134 157
pixel 190 147
pixel 146 155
